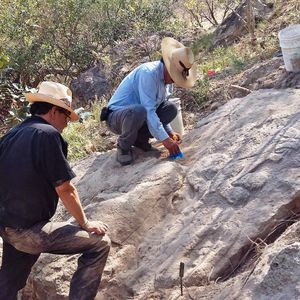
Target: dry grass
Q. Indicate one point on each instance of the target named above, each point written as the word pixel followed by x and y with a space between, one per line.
pixel 89 136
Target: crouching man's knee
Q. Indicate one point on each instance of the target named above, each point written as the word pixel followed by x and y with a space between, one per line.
pixel 104 243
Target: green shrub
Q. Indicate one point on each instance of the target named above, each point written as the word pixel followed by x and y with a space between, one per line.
pixel 4 59
pixel 86 137
pixel 14 103
pixel 236 63
pixel 201 90
pixel 64 37
pixel 203 43
pixel 220 59
pixel 223 58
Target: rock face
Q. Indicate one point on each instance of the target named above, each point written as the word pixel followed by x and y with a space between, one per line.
pixel 220 211
pixel 90 85
pixel 270 74
pixel 234 26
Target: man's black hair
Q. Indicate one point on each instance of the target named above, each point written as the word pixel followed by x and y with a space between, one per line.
pixel 40 108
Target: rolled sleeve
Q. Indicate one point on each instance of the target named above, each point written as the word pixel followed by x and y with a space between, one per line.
pixel 168 128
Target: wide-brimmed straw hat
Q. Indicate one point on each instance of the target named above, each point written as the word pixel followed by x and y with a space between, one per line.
pixel 54 93
pixel 180 62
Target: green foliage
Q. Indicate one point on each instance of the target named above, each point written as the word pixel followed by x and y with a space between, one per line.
pixel 208 11
pixel 202 43
pixel 223 58
pixel 18 114
pixel 4 59
pixel 57 37
pixel 85 137
pixel 13 100
pixel 201 90
pixel 220 59
pixel 236 63
pixel 153 17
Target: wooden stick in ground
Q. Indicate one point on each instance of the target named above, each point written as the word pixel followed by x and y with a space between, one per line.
pixel 181 273
pixel 240 88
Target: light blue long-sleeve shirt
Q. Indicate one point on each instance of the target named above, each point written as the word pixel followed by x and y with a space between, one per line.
pixel 144 85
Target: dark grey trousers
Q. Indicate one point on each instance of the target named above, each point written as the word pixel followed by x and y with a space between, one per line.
pixel 130 123
pixel 22 247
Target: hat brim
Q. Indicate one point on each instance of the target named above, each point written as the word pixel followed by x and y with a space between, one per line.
pixel 167 46
pixel 38 97
pixel 177 77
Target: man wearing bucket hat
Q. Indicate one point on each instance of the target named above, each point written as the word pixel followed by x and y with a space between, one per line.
pixel 34 173
pixel 139 110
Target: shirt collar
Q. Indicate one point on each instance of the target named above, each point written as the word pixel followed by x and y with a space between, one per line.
pixel 161 71
pixel 39 119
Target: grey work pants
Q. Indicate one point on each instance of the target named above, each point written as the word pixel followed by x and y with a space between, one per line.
pixel 22 247
pixel 130 122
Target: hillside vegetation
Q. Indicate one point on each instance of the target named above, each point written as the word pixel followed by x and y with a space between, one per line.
pixel 58 40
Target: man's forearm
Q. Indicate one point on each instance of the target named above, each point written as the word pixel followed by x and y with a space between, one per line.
pixel 70 198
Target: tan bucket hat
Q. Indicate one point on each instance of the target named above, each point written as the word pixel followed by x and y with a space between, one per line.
pixel 179 61
pixel 54 93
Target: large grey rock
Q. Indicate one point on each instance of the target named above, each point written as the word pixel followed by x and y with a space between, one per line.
pixel 239 179
pixel 90 85
pixel 235 25
pixel 270 74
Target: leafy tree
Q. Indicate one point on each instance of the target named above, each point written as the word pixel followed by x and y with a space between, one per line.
pixel 208 10
pixel 4 59
pixel 63 37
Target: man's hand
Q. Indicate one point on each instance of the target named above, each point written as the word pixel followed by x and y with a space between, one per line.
pixel 70 198
pixel 175 137
pixel 171 145
pixel 95 227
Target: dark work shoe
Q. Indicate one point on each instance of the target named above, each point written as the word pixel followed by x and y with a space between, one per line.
pixel 145 146
pixel 124 157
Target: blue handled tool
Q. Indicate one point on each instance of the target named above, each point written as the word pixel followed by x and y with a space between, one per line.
pixel 176 156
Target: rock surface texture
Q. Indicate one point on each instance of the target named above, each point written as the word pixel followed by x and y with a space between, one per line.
pixel 235 25
pixel 228 211
pixel 90 85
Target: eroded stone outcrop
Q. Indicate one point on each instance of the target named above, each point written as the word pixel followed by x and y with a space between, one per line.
pixel 90 85
pixel 238 181
pixel 235 25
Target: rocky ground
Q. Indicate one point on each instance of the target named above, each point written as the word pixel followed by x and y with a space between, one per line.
pixel 225 212
pixel 228 211
pixel 264 75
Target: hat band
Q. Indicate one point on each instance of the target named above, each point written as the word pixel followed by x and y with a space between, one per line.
pixel 66 101
pixel 185 71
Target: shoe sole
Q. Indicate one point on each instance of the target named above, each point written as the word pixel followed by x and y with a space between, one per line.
pixel 126 163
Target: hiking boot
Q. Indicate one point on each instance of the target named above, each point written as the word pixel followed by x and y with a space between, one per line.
pixel 124 157
pixel 144 145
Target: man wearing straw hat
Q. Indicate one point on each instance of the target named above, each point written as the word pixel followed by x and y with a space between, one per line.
pixel 34 173
pixel 138 110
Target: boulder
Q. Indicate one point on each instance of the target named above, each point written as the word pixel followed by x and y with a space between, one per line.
pixel 259 73
pixel 270 74
pixel 90 85
pixel 220 210
pixel 234 25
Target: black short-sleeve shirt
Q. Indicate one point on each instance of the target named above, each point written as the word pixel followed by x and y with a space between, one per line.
pixel 32 163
